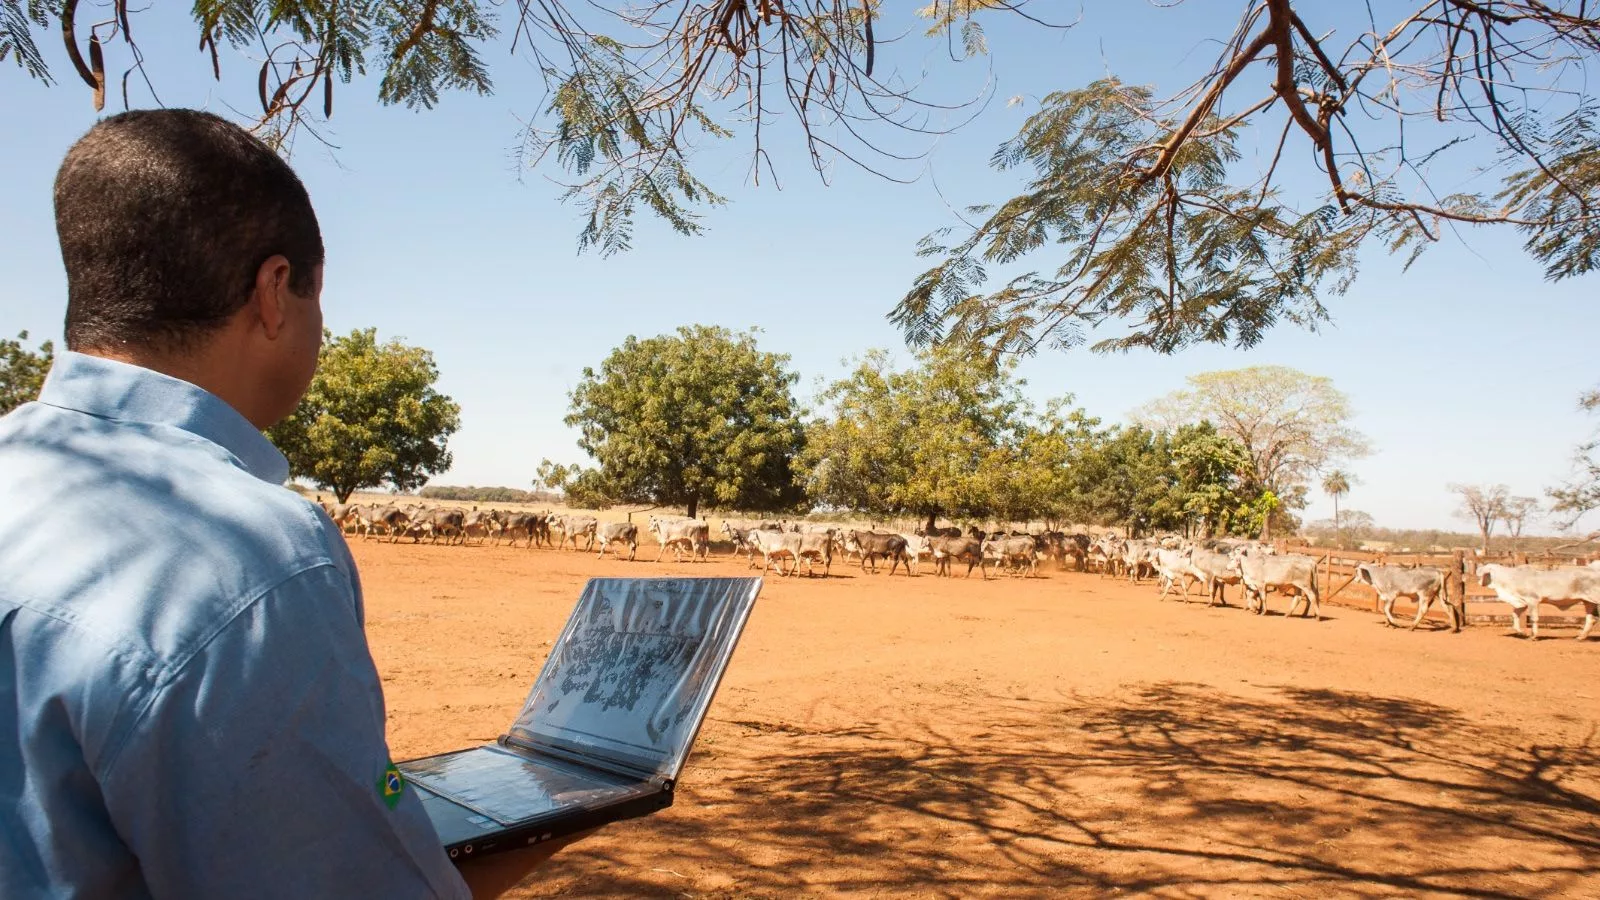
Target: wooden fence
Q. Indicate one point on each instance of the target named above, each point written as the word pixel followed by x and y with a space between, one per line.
pixel 1336 580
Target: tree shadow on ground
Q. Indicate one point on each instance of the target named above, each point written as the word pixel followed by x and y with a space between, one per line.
pixel 1171 790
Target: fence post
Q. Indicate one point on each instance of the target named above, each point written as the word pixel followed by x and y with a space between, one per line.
pixel 1455 582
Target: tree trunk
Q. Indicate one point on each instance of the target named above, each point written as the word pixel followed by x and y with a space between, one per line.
pixel 1338 541
pixel 694 506
pixel 343 493
pixel 1484 530
pixel 933 517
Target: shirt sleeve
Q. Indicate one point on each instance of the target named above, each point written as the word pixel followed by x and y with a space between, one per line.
pixel 259 769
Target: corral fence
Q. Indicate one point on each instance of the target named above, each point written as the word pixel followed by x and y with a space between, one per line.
pixel 1336 579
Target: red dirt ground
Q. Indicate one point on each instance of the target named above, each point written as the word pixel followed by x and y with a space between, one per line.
pixel 1061 736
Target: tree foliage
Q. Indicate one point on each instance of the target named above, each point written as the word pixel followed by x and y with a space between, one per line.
pixel 700 417
pixel 1291 425
pixel 371 417
pixel 1170 212
pixel 22 371
pixel 1581 493
pixel 923 441
pixel 1148 213
pixel 951 436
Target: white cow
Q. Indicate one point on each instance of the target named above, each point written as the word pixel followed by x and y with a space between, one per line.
pixel 776 545
pixel 1172 568
pixel 1525 587
pixel 681 534
pixel 572 528
pixel 917 547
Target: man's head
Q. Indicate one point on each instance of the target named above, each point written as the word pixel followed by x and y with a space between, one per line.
pixel 191 247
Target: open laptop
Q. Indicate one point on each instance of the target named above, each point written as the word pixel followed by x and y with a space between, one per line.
pixel 607 726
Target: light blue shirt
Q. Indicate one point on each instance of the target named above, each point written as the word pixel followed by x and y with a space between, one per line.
pixel 188 707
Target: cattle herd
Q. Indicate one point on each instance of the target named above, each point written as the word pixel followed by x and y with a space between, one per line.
pixel 1171 562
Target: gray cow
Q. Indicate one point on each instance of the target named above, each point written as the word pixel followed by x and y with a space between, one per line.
pixel 874 544
pixel 947 548
pixel 1214 570
pixel 1423 584
pixel 1017 555
pixel 618 533
pixel 1292 574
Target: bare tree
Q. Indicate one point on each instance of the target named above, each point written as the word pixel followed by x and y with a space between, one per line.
pixel 1485 505
pixel 1518 510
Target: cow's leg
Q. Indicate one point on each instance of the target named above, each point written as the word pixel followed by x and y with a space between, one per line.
pixel 1590 612
pixel 1516 620
pixel 1423 602
pixel 1533 619
pixel 663 552
pixel 633 549
pixel 1387 604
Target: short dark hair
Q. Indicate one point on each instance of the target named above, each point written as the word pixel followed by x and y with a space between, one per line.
pixel 165 217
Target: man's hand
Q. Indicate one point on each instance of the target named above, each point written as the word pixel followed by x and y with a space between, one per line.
pixel 493 875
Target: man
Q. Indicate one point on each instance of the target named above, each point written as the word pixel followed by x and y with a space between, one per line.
pixel 188 707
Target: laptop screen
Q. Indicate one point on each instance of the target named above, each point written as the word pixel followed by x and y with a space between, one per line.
pixel 632 675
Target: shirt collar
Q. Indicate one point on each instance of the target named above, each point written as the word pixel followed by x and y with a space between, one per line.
pixel 128 393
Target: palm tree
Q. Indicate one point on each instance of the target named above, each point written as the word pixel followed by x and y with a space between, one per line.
pixel 1336 485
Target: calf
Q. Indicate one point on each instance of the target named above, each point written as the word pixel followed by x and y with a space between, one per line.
pixel 572 528
pixel 1424 584
pixel 1525 587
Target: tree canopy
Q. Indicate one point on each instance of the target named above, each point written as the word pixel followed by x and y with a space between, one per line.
pixel 925 441
pixel 1171 214
pixel 1290 425
pixel 22 371
pixel 371 417
pixel 952 436
pixel 701 417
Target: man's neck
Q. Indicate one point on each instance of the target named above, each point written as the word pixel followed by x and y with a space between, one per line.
pixel 205 366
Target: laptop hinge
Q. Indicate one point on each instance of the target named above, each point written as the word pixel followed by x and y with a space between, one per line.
pixel 594 762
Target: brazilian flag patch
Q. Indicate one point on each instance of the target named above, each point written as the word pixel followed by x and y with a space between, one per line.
pixel 391 784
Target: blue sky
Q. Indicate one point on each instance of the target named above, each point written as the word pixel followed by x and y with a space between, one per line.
pixel 1466 368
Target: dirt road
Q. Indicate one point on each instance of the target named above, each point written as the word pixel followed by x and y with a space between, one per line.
pixel 1062 736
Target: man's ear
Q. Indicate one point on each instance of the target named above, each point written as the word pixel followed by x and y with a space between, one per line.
pixel 270 298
